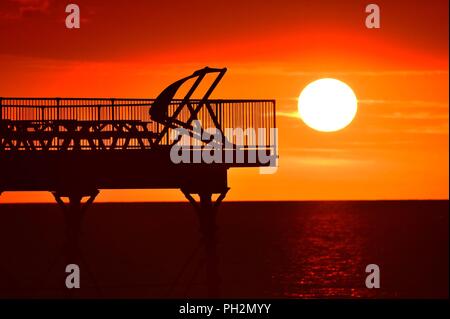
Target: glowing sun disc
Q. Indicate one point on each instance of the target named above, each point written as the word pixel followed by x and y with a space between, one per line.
pixel 327 105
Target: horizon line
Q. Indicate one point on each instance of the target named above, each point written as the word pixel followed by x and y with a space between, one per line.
pixel 242 201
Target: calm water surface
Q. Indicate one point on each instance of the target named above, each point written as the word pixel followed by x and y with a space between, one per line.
pixel 273 249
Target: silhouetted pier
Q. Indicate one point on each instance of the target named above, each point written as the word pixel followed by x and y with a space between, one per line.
pixel 74 147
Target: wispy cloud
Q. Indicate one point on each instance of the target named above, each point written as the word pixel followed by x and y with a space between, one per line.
pixel 21 8
pixel 288 114
pixel 422 130
pixel 323 161
pixel 32 5
pixel 438 130
pixel 317 151
pixel 409 109
pixel 405 103
pixel 371 73
pixel 413 116
pixel 280 71
pixel 395 115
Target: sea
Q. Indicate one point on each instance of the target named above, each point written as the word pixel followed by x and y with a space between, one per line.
pixel 316 249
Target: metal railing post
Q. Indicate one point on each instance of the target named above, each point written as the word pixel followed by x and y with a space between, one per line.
pixel 112 109
pixel 57 108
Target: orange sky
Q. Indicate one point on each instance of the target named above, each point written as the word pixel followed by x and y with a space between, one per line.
pixel 396 148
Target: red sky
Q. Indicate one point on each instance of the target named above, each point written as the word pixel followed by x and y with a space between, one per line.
pixel 397 146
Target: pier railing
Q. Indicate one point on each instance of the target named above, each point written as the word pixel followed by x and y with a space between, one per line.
pixel 115 123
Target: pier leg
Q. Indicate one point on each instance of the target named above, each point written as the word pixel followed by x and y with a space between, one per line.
pixel 74 211
pixel 207 211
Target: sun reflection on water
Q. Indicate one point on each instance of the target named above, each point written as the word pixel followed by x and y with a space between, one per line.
pixel 326 256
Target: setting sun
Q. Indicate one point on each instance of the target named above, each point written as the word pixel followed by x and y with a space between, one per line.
pixel 327 105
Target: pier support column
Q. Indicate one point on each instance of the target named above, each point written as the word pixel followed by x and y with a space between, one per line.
pixel 74 211
pixel 206 210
